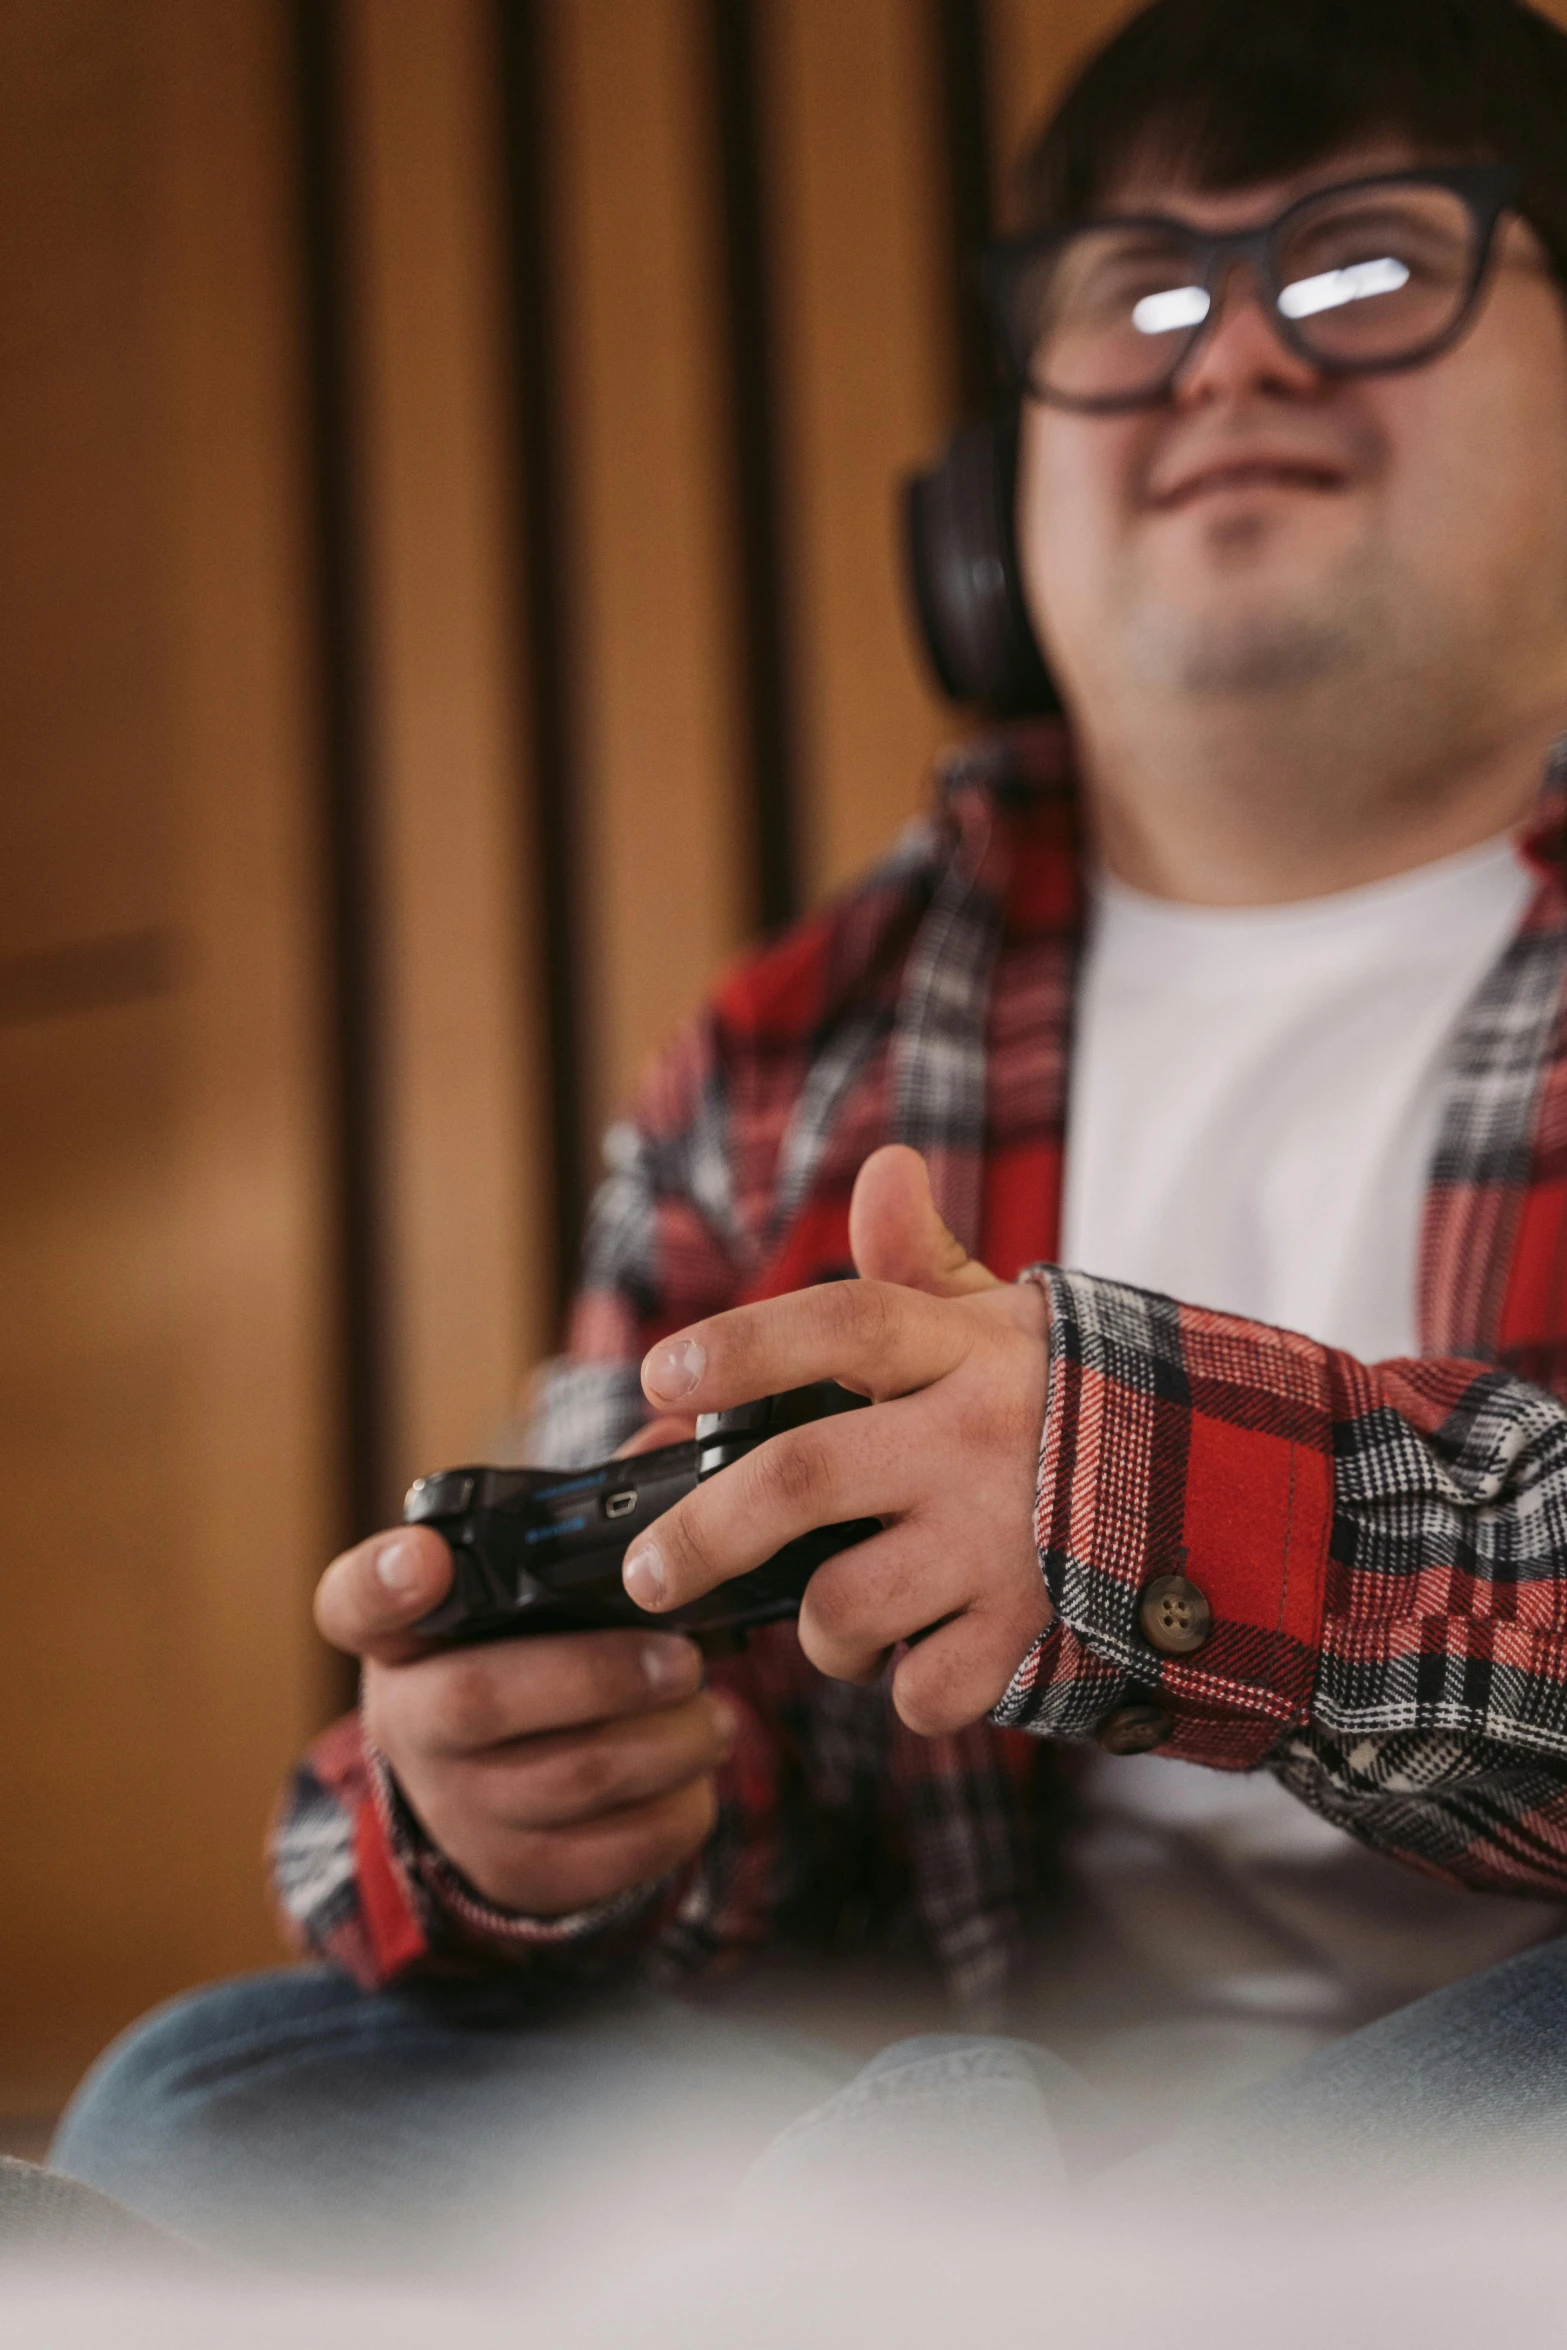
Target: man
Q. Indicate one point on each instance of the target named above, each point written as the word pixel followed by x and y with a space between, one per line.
pixel 1228 1432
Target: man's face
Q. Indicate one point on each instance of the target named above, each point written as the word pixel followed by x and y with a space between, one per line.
pixel 1267 526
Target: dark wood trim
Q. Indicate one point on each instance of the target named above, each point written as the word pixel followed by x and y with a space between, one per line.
pixel 545 600
pixel 753 376
pixel 327 283
pixel 962 48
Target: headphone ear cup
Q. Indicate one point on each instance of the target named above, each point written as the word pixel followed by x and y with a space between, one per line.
pixel 960 537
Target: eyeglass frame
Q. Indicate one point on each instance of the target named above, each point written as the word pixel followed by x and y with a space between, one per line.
pixel 1487 190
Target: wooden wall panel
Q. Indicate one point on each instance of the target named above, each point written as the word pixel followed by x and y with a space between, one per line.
pixel 83 835
pixel 1035 47
pixel 166 1344
pixel 868 387
pixel 655 578
pixel 458 984
pixel 254 1437
pixel 95 1658
pixel 83 829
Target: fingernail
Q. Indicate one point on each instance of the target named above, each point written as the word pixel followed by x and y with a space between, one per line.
pixel 667 1663
pixel 643 1575
pixel 400 1569
pixel 672 1371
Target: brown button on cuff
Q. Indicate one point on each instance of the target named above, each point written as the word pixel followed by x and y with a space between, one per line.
pixel 1135 1729
pixel 1174 1616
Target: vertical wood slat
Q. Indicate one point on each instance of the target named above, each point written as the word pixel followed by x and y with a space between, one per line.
pixel 869 385
pixel 83 826
pixel 254 1491
pixel 655 569
pixel 1033 52
pixel 84 1343
pixel 165 1352
pixel 460 1126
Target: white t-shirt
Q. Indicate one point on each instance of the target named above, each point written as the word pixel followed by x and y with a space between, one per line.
pixel 1255 1103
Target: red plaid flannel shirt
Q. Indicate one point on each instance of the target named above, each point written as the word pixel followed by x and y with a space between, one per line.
pixel 1384 1546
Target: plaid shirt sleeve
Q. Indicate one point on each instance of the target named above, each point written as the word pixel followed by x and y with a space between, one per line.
pixel 1381 1548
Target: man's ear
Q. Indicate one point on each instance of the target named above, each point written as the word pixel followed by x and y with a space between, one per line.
pixel 896 1234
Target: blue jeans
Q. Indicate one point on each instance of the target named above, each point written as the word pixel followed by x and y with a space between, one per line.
pixel 291 2119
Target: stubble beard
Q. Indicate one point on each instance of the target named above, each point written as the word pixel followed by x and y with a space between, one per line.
pixel 1268 639
pixel 1324 703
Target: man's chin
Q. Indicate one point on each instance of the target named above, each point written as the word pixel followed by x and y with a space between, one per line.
pixel 1242 647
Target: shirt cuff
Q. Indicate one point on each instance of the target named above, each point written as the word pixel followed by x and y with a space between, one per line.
pixel 441 1896
pixel 1190 1452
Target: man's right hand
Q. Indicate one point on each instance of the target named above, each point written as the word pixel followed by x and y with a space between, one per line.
pixel 552 1772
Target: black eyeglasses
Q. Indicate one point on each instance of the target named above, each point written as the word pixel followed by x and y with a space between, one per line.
pixel 1374 275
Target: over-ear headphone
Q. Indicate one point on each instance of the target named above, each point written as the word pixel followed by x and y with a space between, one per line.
pixel 960 536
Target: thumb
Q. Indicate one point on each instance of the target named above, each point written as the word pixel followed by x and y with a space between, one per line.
pixel 896 1234
pixel 367 1599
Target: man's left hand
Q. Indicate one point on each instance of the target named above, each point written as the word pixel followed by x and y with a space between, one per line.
pixel 954 1362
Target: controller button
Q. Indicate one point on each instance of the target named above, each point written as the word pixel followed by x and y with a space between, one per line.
pixel 442 1496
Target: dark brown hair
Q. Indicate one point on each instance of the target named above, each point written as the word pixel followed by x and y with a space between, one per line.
pixel 1217 94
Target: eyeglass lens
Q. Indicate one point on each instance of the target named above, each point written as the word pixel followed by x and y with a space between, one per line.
pixel 1364 278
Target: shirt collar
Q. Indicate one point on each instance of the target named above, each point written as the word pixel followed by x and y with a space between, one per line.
pixel 1029 760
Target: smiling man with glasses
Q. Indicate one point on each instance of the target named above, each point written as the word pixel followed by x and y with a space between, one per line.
pixel 1201 1708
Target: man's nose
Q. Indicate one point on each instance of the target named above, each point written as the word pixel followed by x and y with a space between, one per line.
pixel 1243 351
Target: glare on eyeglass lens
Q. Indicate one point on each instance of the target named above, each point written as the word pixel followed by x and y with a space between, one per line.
pixel 1185 306
pixel 1310 295
pixel 1165 314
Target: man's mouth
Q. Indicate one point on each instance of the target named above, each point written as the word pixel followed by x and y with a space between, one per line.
pixel 1237 475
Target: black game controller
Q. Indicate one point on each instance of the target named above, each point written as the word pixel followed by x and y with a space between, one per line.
pixel 540 1550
